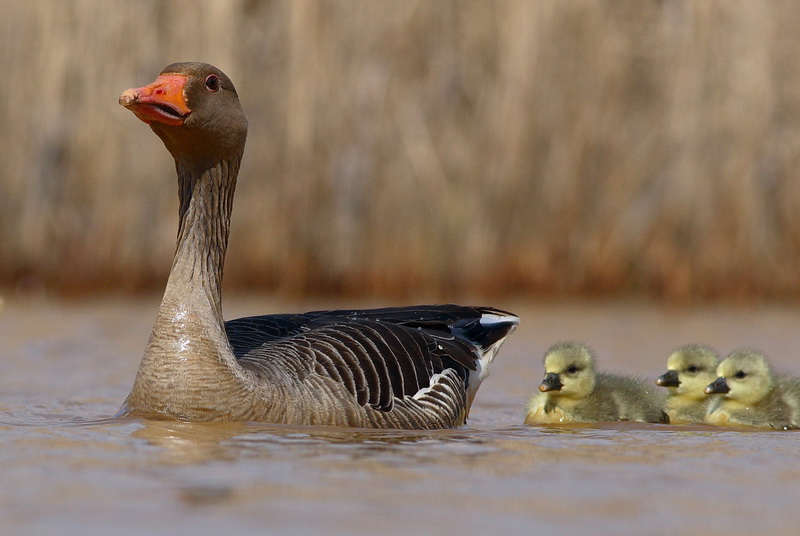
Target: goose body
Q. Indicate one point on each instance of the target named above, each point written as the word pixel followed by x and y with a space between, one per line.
pixel 573 392
pixel 409 367
pixel 748 393
pixel 689 369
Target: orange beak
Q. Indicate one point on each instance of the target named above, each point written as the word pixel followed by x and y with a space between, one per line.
pixel 162 101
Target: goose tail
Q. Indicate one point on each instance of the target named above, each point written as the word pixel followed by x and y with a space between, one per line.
pixel 487 334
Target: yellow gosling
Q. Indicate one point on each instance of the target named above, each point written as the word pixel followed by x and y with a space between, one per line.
pixel 752 395
pixel 689 369
pixel 572 392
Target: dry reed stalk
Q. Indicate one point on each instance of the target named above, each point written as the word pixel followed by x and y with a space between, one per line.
pixel 442 148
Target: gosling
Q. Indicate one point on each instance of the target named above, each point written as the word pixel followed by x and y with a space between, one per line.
pixel 689 369
pixel 572 392
pixel 752 394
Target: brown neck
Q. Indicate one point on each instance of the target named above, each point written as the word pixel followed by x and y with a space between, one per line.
pixel 188 356
pixel 206 200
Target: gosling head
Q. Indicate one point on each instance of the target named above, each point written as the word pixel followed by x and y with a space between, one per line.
pixel 689 370
pixel 745 376
pixel 569 370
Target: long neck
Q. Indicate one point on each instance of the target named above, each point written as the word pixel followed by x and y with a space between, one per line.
pixel 188 356
pixel 205 191
pixel 206 200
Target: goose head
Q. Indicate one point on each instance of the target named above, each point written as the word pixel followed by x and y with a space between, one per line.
pixel 194 108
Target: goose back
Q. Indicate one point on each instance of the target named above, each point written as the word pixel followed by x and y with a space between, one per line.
pixel 385 366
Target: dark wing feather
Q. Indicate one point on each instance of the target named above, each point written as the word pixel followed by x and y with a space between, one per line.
pixel 252 332
pixel 376 354
pixel 369 361
pixel 342 365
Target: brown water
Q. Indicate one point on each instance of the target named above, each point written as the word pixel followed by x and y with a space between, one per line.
pixel 67 469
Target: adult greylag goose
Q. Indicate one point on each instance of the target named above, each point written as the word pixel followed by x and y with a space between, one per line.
pixel 750 394
pixel 689 369
pixel 573 392
pixel 408 367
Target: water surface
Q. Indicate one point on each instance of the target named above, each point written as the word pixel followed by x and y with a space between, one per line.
pixel 68 469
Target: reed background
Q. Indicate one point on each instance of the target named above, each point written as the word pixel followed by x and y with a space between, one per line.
pixel 443 148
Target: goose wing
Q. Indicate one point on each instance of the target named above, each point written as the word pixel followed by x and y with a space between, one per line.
pixel 378 355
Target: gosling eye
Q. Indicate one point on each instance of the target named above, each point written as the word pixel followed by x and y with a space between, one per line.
pixel 212 82
pixel 693 369
pixel 573 369
pixel 740 375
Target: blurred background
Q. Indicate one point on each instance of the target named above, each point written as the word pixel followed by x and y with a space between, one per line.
pixel 436 149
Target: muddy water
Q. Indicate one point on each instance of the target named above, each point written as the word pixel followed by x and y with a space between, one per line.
pixel 67 469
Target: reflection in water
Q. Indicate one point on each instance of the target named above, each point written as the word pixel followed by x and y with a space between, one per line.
pixel 188 443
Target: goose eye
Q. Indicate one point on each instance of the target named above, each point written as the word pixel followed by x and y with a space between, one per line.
pixel 740 375
pixel 692 369
pixel 573 369
pixel 212 82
